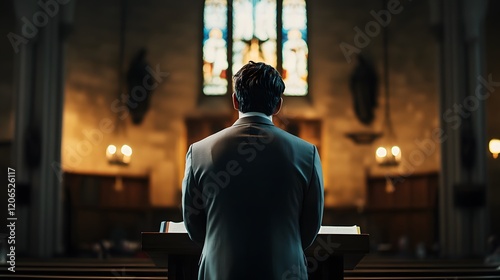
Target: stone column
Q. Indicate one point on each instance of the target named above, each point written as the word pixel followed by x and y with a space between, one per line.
pixel 463 223
pixel 42 28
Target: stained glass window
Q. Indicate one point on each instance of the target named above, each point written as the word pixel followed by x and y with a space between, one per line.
pixel 295 48
pixel 215 47
pixel 254 32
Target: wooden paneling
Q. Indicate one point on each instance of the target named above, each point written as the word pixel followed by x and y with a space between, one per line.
pixel 106 207
pixel 134 193
pixel 408 214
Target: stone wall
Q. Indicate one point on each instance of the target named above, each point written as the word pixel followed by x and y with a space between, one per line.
pixel 171 32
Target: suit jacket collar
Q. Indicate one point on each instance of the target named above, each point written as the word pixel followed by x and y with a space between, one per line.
pixel 253 119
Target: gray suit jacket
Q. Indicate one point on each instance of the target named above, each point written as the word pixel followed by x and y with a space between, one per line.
pixel 252 196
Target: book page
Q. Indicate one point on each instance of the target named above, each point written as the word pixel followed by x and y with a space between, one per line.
pixel 339 230
pixel 173 227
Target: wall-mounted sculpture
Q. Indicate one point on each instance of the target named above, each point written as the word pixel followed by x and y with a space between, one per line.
pixel 138 90
pixel 364 89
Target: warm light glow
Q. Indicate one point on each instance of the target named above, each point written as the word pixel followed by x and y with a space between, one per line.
pixel 384 158
pixel 395 151
pixel 495 147
pixel 126 150
pixel 121 157
pixel 111 150
pixel 381 152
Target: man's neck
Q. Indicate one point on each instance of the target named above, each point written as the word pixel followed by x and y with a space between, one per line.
pixel 251 114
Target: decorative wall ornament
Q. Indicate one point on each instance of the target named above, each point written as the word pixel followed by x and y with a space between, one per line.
pixel 139 92
pixel 364 84
pixel 364 89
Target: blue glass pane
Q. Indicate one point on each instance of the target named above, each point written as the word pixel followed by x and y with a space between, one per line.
pixel 215 47
pixel 295 49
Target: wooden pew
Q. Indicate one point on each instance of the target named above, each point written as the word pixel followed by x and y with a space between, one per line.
pixel 370 268
pixel 139 269
pixel 373 268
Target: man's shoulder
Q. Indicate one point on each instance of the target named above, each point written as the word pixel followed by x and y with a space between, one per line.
pixel 213 137
pixel 274 131
pixel 293 138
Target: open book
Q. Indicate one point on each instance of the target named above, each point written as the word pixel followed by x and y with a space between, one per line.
pixel 173 227
pixel 339 230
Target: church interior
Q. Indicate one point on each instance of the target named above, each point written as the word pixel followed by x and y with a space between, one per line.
pixel 101 99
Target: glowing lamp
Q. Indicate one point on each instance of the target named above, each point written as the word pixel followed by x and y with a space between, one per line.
pixel 494 147
pixel 120 157
pixel 388 155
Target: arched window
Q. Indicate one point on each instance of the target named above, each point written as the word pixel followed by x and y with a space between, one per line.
pixel 271 31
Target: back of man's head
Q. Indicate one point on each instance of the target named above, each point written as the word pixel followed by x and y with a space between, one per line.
pixel 258 88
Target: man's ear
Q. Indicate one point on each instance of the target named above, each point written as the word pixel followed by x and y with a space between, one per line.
pixel 236 103
pixel 278 107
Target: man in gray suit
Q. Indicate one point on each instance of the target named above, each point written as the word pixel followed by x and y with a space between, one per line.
pixel 252 193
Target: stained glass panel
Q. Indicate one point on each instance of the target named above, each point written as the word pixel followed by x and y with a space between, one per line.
pixel 295 50
pixel 215 47
pixel 254 37
pixel 254 32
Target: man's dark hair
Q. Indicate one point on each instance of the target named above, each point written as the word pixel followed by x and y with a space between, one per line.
pixel 258 88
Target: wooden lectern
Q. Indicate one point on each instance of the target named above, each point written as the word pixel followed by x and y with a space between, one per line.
pixel 327 257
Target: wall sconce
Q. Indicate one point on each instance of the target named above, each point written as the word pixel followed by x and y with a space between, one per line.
pixel 494 147
pixel 123 155
pixel 388 155
pixel 119 157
